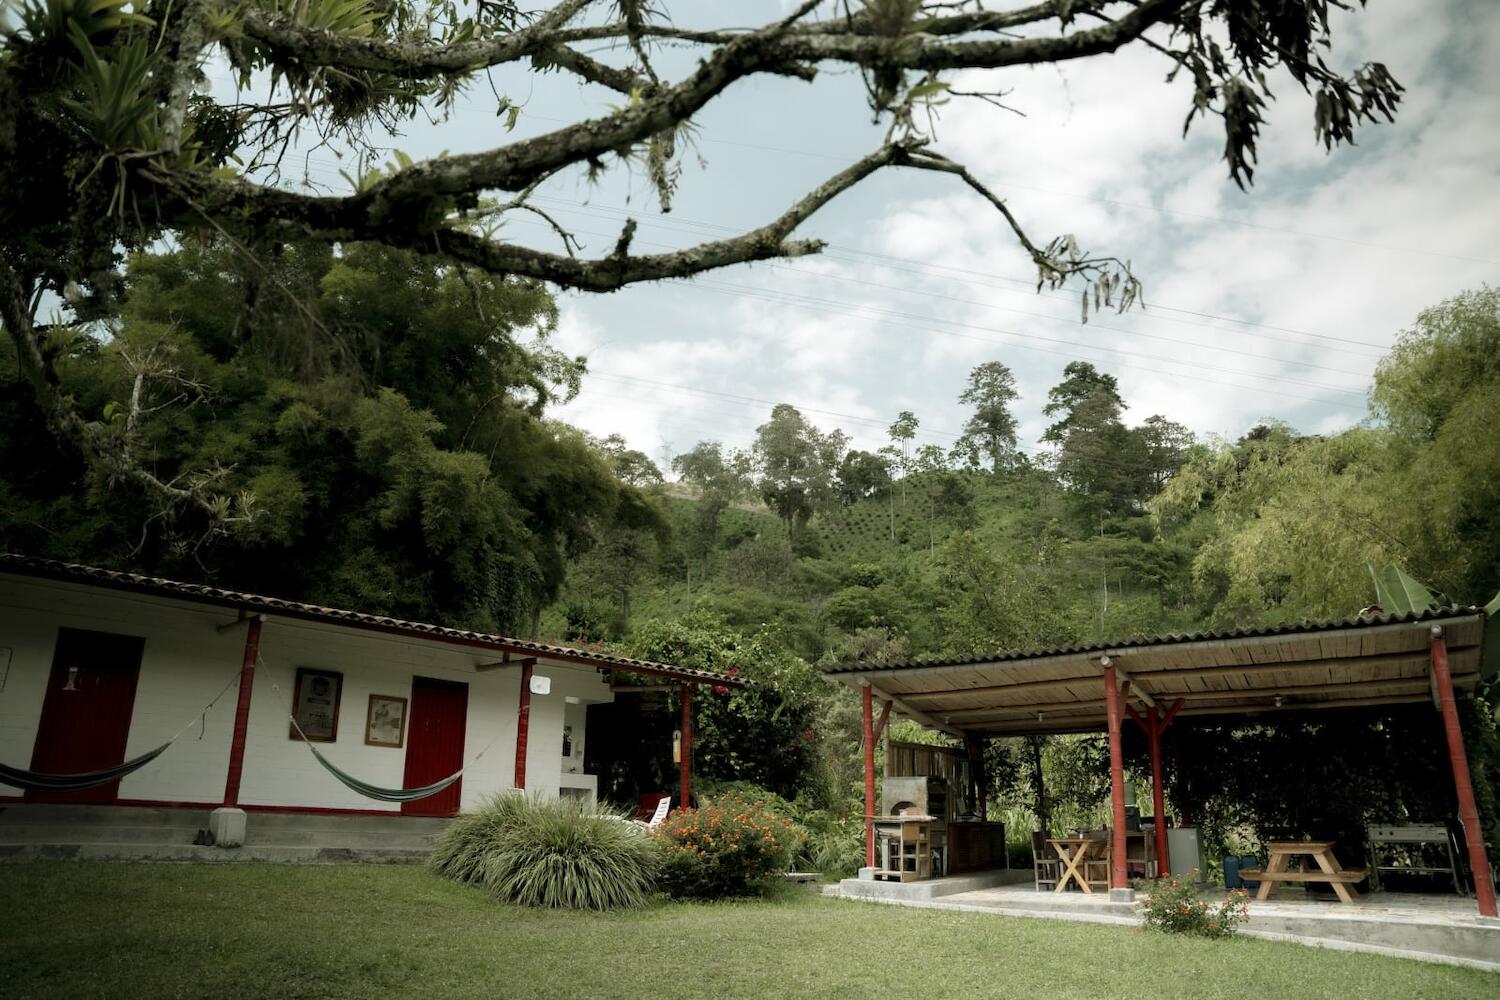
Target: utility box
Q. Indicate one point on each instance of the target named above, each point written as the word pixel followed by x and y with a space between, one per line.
pixel 1184 849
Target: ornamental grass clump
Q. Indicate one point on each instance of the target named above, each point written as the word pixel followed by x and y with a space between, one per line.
pixel 1174 906
pixel 558 853
pixel 733 846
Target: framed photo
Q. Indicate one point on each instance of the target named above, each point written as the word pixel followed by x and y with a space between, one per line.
pixel 385 722
pixel 315 704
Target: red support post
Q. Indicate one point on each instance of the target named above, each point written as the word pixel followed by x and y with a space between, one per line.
pixel 242 714
pixel 1458 758
pixel 1116 778
pixel 1158 801
pixel 523 722
pixel 867 698
pixel 685 750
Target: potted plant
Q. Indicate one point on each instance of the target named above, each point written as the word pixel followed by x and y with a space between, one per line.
pixel 1241 851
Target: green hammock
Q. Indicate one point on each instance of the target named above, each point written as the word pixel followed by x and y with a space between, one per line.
pixel 370 791
pixel 39 781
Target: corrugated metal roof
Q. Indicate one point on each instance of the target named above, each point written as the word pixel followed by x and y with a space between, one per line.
pixel 1136 642
pixel 240 600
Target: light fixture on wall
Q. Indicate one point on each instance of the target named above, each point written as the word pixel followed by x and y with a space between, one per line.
pixel 677 746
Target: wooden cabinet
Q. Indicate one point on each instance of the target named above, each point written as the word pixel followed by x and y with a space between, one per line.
pixel 905 847
pixel 975 847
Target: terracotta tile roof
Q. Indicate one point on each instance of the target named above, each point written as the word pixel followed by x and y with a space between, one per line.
pixel 238 600
pixel 1290 628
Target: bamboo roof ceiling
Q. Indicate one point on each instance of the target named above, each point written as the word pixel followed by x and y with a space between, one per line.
pixel 1379 659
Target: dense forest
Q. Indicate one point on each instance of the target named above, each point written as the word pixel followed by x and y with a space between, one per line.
pixel 375 428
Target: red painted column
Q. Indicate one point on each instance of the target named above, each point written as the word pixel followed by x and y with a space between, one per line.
pixel 685 757
pixel 1158 801
pixel 1468 814
pixel 1116 778
pixel 523 723
pixel 868 702
pixel 242 714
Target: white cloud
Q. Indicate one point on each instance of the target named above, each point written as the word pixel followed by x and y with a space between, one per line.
pixel 921 281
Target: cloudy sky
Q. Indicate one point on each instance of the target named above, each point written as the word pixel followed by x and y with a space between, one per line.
pixel 1272 303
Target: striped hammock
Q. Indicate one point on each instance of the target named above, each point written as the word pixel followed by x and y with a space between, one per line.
pixel 39 781
pixel 370 791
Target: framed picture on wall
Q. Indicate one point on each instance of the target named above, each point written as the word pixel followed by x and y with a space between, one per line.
pixel 385 722
pixel 315 704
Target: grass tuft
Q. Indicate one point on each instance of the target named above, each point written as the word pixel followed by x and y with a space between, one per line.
pixel 555 853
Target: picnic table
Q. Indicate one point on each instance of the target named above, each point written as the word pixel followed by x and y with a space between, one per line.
pixel 1074 852
pixel 1281 854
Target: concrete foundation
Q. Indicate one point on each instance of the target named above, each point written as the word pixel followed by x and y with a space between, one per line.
pixel 932 888
pixel 128 833
pixel 228 827
pixel 1444 929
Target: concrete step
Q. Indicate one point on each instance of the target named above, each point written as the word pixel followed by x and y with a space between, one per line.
pixel 18 853
pixel 66 830
pixel 61 814
pixel 324 836
pixel 1051 904
pixel 384 825
pixel 50 833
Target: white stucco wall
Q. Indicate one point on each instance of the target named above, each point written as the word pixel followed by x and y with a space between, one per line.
pixel 184 663
pixel 187 661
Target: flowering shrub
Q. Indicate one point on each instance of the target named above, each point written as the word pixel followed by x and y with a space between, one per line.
pixel 1172 905
pixel 729 847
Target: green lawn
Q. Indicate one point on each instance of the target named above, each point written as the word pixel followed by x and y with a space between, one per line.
pixel 103 930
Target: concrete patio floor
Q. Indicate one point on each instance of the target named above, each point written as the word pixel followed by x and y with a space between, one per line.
pixel 1434 928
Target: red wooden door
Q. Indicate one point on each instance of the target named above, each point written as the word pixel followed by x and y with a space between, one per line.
pixel 86 710
pixel 435 743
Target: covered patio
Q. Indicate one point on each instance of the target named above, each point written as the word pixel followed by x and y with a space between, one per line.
pixel 1433 656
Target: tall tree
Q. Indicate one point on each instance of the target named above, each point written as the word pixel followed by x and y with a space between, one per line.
pixel 1097 456
pixel 862 475
pixel 111 136
pixel 1163 447
pixel 380 414
pixel 628 464
pixel 1292 520
pixel 719 479
pixel 990 431
pixel 1081 381
pixel 797 466
pixel 903 431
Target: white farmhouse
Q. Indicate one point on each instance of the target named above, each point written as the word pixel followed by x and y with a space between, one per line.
pixel 98 668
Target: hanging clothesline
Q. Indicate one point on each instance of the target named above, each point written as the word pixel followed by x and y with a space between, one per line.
pixel 42 781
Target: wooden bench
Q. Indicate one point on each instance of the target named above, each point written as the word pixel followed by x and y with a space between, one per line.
pixel 1321 851
pixel 1348 875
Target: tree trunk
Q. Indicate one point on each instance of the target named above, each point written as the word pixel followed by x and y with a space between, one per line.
pixel 1038 784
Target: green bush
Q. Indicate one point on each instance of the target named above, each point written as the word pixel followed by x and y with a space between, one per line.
pixel 732 846
pixel 835 847
pixel 559 853
pixel 1174 906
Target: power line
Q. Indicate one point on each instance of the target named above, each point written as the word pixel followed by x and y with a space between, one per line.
pixel 842 308
pixel 1028 283
pixel 1222 220
pixel 680 224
